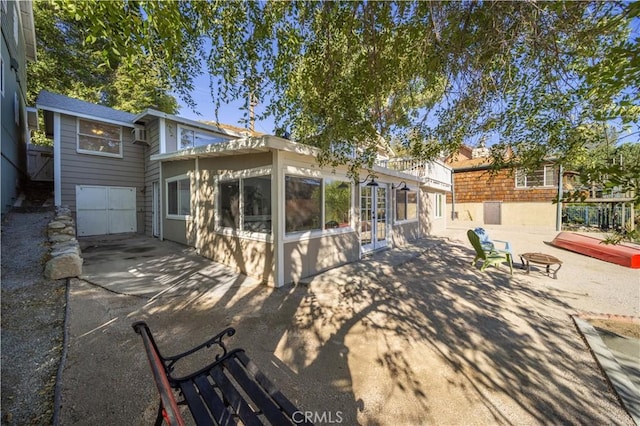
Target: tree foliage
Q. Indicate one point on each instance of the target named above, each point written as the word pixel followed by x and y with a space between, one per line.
pixel 345 75
pixel 69 65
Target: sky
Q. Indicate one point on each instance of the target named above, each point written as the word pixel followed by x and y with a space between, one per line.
pixel 228 114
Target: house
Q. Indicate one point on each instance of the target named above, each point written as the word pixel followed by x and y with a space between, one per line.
pixel 258 203
pixel 18 47
pixel 504 197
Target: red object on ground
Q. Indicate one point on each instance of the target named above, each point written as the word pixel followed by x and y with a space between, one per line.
pixel 626 254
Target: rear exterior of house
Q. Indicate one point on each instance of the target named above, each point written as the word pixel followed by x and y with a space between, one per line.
pixel 258 203
pixel 481 196
pixel 18 47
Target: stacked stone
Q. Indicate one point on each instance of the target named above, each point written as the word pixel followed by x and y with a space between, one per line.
pixel 65 259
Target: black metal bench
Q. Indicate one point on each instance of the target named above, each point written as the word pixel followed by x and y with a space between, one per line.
pixel 230 390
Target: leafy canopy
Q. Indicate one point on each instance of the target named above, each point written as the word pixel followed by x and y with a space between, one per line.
pixel 427 75
pixel 67 64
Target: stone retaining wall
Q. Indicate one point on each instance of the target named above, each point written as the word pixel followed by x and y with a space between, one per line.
pixel 65 261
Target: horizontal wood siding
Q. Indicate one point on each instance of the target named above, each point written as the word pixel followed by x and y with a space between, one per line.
pixel 151 173
pixel 87 169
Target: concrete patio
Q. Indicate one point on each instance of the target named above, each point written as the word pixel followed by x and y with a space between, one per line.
pixel 410 336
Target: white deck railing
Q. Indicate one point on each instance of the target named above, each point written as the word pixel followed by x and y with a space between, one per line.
pixel 433 173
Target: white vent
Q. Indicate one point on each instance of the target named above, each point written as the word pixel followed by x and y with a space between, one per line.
pixel 140 134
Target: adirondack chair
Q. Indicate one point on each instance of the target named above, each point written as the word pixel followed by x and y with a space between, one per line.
pixel 488 256
pixel 490 245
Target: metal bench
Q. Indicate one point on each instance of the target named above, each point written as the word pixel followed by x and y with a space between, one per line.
pixel 230 390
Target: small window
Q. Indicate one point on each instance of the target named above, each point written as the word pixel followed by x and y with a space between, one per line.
pixel 191 138
pixel 178 197
pixel 439 207
pixel 544 177
pixel 406 205
pixel 303 204
pixel 99 138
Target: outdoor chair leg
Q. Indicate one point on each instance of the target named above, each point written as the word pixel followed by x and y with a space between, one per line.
pixel 160 417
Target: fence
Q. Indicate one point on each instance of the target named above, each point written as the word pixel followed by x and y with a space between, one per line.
pixel 603 216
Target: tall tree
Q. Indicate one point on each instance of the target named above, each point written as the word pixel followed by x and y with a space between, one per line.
pixel 67 64
pixel 342 75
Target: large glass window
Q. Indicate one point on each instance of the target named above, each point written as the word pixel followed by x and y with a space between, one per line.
pixel 303 204
pixel 99 138
pixel 230 204
pixel 191 138
pixel 257 204
pixel 246 204
pixel 406 205
pixel 337 204
pixel 178 197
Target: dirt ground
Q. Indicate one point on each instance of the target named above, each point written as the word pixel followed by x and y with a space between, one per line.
pixel 622 328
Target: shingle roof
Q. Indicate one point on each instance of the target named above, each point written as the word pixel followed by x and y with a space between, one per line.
pixel 64 103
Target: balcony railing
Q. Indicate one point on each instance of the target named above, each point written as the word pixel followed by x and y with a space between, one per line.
pixel 433 173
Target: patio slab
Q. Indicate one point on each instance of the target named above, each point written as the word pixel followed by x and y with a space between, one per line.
pixel 406 336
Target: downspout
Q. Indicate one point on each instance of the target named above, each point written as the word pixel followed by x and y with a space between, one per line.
pixel 453 198
pixel 559 203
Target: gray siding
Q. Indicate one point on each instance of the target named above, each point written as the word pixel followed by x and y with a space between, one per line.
pixel 151 173
pixel 13 136
pixel 178 230
pixel 87 169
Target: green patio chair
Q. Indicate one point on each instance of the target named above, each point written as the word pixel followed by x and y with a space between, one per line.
pixel 489 256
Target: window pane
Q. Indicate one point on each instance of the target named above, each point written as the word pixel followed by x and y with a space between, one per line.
pixel 412 204
pixel 303 203
pixel 184 197
pixel 337 204
pixel 520 178
pixel 172 197
pixel 186 138
pixel 401 205
pixel 257 204
pixel 99 137
pixel 201 139
pixel 230 204
pixel 535 178
pixel 550 176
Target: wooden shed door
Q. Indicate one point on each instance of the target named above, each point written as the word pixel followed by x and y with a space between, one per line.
pixel 492 212
pixel 105 210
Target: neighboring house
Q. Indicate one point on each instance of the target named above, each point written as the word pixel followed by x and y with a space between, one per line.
pixel 505 197
pixel 18 47
pixel 259 203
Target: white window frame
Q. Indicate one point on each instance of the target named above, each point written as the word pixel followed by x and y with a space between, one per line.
pixel 547 170
pixel 318 233
pixel 182 127
pixel 438 211
pixel 395 206
pixel 240 232
pixel 177 179
pixel 90 152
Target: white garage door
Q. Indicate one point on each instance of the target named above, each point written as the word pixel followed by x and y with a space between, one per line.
pixel 105 210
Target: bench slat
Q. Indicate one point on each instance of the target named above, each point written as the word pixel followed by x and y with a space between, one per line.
pixel 256 393
pixel 286 405
pixel 197 407
pixel 233 397
pixel 220 412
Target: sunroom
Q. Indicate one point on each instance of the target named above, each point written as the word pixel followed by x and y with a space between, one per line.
pixel 264 206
